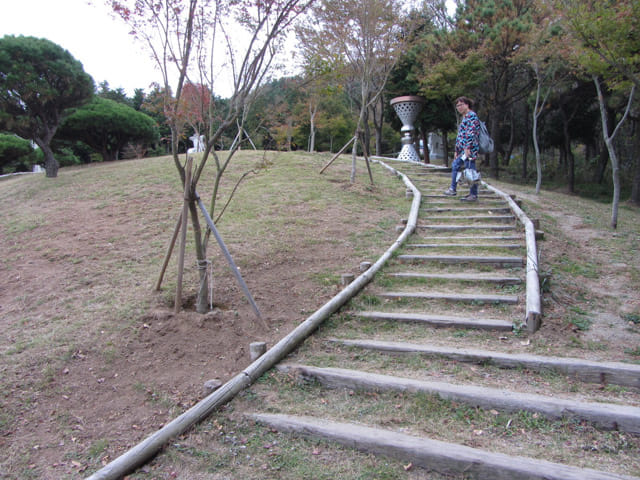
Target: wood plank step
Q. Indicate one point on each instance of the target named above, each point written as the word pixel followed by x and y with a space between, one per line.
pixel 474 218
pixel 433 455
pixel 506 238
pixel 441 321
pixel 508 246
pixel 605 373
pixel 455 228
pixel 455 259
pixel 461 277
pixel 481 197
pixel 454 297
pixel 606 416
pixel 466 209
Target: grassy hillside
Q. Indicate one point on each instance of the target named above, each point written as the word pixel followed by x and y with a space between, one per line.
pixel 93 360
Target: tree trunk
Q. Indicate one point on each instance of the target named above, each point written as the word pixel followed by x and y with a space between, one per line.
pixel 536 145
pixel 512 135
pixel 603 157
pixel 51 165
pixel 635 187
pixel 445 145
pixel 493 156
pixel 570 161
pixel 202 304
pixel 526 142
pixel 354 154
pixel 313 110
pixel 378 121
pixel 608 139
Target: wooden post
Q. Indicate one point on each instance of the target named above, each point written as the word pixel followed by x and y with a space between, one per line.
pixel 183 237
pixel 366 158
pixel 337 154
pixel 167 257
pixel 256 350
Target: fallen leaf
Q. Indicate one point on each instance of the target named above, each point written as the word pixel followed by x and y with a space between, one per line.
pixel 408 467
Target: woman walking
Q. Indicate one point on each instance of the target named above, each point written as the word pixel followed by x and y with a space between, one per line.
pixel 466 147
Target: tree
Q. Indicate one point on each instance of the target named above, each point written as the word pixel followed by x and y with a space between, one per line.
pixel 408 76
pixel 12 148
pixel 107 126
pixel 193 106
pixel 364 40
pixel 482 58
pixel 607 46
pixel 39 83
pixel 117 95
pixel 192 38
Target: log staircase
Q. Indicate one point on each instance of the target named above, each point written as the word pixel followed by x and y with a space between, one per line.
pixel 446 319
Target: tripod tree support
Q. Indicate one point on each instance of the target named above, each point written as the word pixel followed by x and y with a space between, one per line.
pixel 366 157
pixel 337 154
pixel 167 257
pixel 183 234
pixel 232 264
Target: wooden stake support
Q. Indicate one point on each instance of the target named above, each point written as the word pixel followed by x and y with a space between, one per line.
pixel 183 237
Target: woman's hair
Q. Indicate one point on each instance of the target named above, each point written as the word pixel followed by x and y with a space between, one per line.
pixel 466 100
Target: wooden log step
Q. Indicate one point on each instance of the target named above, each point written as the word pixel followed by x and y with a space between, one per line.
pixel 433 455
pixel 467 209
pixel 605 373
pixel 456 259
pixel 506 238
pixel 508 246
pixel 482 196
pixel 477 226
pixel 461 277
pixel 606 416
pixel 474 218
pixel 454 297
pixel 441 321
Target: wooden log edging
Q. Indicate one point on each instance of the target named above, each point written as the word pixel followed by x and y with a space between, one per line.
pixel 432 455
pixel 145 450
pixel 533 315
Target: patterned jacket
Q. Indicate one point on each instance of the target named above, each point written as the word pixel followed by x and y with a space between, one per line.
pixel 468 132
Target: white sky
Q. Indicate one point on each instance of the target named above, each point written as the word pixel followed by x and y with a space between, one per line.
pixel 90 32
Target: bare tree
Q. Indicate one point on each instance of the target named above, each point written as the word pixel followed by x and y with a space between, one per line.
pixel 195 40
pixel 362 40
pixel 608 140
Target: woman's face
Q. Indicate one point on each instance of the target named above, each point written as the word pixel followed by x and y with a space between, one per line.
pixel 462 108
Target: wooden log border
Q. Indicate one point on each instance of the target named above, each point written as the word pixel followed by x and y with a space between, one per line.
pixel 145 450
pixel 533 315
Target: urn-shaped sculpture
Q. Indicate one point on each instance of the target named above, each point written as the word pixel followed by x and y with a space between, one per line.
pixel 408 108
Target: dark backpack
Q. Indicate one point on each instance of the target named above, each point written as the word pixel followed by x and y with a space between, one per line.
pixel 485 142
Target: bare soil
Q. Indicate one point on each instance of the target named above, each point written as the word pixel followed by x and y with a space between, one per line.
pixel 93 360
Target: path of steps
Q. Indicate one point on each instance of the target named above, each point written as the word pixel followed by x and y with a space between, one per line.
pixel 463 269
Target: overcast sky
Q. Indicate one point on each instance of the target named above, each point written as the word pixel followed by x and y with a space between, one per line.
pixel 92 35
